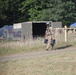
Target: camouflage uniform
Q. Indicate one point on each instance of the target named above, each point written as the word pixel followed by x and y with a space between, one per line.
pixel 49 34
pixel 52 41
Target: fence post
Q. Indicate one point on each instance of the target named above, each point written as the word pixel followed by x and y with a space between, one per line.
pixel 65 33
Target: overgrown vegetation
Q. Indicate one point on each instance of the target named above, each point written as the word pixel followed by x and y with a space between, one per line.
pixel 56 63
pixel 13 47
pixel 13 11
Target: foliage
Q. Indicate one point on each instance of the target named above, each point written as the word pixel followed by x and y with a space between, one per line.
pixel 9 11
pixel 37 10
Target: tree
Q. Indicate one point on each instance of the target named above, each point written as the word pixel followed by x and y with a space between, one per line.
pixel 60 11
pixel 9 11
pixel 13 11
pixel 69 13
pixel 30 9
pixel 2 12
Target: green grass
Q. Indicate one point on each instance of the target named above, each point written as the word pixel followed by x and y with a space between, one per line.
pixel 12 47
pixel 63 63
pixel 59 63
pixel 7 48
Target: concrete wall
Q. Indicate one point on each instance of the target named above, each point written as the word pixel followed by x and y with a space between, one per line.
pixel 56 24
pixel 26 30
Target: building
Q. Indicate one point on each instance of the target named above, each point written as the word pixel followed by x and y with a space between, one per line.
pixel 29 30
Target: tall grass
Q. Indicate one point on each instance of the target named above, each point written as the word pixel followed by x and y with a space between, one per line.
pixel 19 46
pixel 10 47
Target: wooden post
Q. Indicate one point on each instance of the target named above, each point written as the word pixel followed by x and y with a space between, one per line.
pixel 65 33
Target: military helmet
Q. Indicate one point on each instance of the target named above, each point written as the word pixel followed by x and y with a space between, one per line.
pixel 48 24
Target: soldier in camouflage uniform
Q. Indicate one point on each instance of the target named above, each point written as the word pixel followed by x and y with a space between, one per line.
pixel 49 35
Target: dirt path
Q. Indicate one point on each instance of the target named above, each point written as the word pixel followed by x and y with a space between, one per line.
pixel 35 54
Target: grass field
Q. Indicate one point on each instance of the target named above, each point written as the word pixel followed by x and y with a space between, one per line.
pixel 13 47
pixel 7 48
pixel 60 63
pixel 56 63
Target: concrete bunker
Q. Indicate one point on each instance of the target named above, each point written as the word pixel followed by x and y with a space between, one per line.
pixel 30 30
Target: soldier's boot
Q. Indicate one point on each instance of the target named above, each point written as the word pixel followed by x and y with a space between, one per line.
pixel 52 45
pixel 46 49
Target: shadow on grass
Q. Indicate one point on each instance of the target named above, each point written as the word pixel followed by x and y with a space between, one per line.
pixel 63 47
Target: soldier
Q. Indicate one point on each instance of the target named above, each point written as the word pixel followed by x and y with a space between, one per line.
pixel 52 41
pixel 49 34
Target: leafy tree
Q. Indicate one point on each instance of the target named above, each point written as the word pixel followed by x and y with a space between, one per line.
pixel 31 9
pixel 2 12
pixel 69 13
pixel 13 11
pixel 60 11
pixel 9 10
